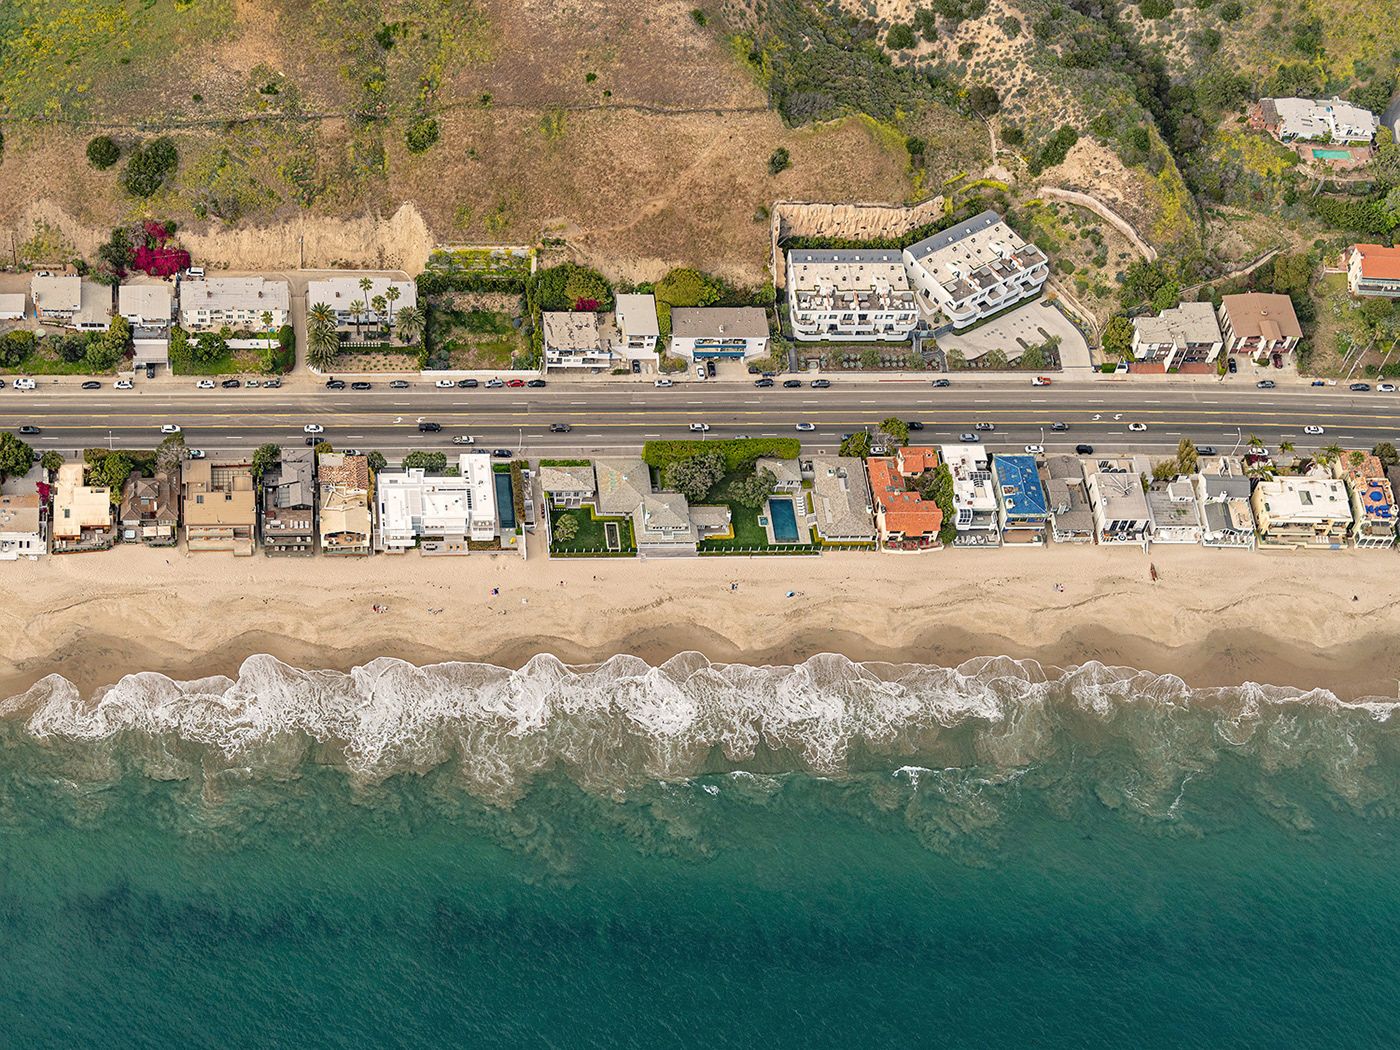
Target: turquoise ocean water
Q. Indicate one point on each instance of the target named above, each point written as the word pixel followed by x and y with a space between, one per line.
pixel 828 855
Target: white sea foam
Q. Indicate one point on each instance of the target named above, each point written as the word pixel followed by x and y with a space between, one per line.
pixel 626 722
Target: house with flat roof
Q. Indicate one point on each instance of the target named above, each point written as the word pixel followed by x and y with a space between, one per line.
pixel 1258 324
pixel 1186 334
pixel 1067 499
pixel 150 510
pixel 787 473
pixel 843 510
pixel 1302 512
pixel 344 522
pixel 638 329
pixel 57 297
pixel 1332 132
pixel 416 508
pixel 146 305
pixel 23 527
pixel 220 511
pixel 1022 511
pixel 701 332
pixel 12 306
pixel 1372 502
pixel 342 291
pixel 850 296
pixel 568 486
pixel 1373 269
pixel 287 524
pixel 1121 514
pixel 82 514
pixel 974 496
pixel 571 341
pixel 975 269
pixel 1176 517
pixel 904 520
pixel 239 302
pixel 1222 492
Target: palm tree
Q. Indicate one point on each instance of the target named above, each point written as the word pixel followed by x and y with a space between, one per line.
pixel 1285 447
pixel 357 308
pixel 393 296
pixel 321 315
pixel 267 320
pixel 410 324
pixel 1330 453
pixel 378 305
pixel 322 343
pixel 365 285
pixel 1255 441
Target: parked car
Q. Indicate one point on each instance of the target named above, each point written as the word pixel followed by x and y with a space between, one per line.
pixel 463 439
pixel 335 384
pixel 1232 366
pixel 1205 450
pixel 151 372
pixel 271 384
pixel 968 437
pixel 194 453
pixel 700 371
pixel 495 383
pixel 1083 450
pixel 1386 388
pixel 710 368
pixel 879 450
pixel 398 384
pixel 230 384
pixel 205 384
pixel 501 453
pixel 429 428
pixel 701 427
pixel 516 383
pixel 313 428
pixel 195 271
pixel 1361 386
pixel 251 384
pixel 763 382
pixel 360 386
pixel 467 384
pixel 24 383
pixel 560 428
pixel 636 367
pixel 806 426
pixel 1059 426
pixel 535 382
pixel 92 384
pixel 820 384
pixel 912 425
pixel 792 384
pixel 122 384
pixel 1312 430
pixel 170 428
pixel 754 370
pixel 1137 428
pixel 1318 382
pixel 1035 450
pixel 942 382
pixel 444 384
pixel 986 426
pixel 1040 381
pixel 29 429
pixel 2 384
pixel 1268 384
pixel 1278 359
pixel 664 382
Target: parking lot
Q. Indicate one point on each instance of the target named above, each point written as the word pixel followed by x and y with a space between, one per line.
pixel 1031 324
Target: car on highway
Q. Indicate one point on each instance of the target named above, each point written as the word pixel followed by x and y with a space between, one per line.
pixel 986 426
pixel 516 383
pixel 1312 430
pixel 560 428
pixel 1137 428
pixel 429 428
pixel 664 382
pixel 792 384
pixel 1035 450
pixel 230 384
pixel 535 383
pixel 942 382
pixel 463 439
pixel 700 427
pixel 122 384
pixel 360 386
pixel 335 384
pixel 170 428
pixel 1265 384
pixel 501 453
pixel 968 437
pixel 495 383
pixel 467 384
pixel 444 384
pixel 1205 450
pixel 29 428
pixel 913 425
pixel 1040 381
pixel 1233 368
pixel 310 440
pixel 398 384
pixel 1059 426
pixel 92 384
pixel 313 428
pixel 763 382
pixel 194 453
pixel 1083 450
pixel 2 384
pixel 1386 388
pixel 1361 386
pixel 820 384
pixel 806 426
pixel 205 384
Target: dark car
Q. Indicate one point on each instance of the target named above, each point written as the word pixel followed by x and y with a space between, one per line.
pixel 912 425
pixel 28 429
pixel 1059 426
pixel 92 384
pixel 535 382
pixel 763 382
pixel 636 367
pixel 310 440
pixel 466 384
pixel 942 382
pixel 1083 450
pixel 986 426
pixel 272 384
pixel 710 369
pixel 754 370
pixel 335 384
pixel 820 384
pixel 1278 359
pixel 501 453
pixel 1233 367
pixel 1268 384
pixel 1206 450
pixel 398 384
pixel 2 384
pixel 1358 386
pixel 560 428
pixel 230 384
pixel 792 383
pixel 359 386
pixel 429 428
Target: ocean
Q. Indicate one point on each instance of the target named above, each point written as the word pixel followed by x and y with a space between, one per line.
pixel 826 855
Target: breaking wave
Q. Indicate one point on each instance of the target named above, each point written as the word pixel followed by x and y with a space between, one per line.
pixel 624 723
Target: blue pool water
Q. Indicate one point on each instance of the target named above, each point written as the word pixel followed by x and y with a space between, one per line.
pixel 505 501
pixel 784 519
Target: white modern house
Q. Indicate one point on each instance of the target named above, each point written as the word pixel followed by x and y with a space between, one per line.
pixel 411 507
pixel 850 296
pixel 975 269
pixel 1121 513
pixel 1185 334
pixel 238 302
pixel 974 495
pixel 23 531
pixel 700 332
pixel 1331 120
pixel 145 305
pixel 571 341
pixel 638 330
pixel 1306 512
pixel 341 291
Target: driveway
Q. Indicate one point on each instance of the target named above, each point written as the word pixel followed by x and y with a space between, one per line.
pixel 1031 324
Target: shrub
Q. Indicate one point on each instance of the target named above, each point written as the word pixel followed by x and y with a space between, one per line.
pixel 900 38
pixel 430 462
pixel 739 453
pixel 1155 9
pixel 779 161
pixel 102 152
pixel 1010 26
pixel 422 135
pixel 699 17
pixel 148 168
pixel 15 347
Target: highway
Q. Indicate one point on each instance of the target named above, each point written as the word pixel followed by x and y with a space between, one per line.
pixel 611 417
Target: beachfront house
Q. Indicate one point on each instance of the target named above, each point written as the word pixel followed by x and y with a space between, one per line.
pixel 82 514
pixel 1373 269
pixel 904 520
pixel 288 519
pixel 1258 324
pixel 571 341
pixel 699 333
pixel 23 527
pixel 1186 334
pixel 975 269
pixel 150 510
pixel 568 485
pixel 1121 514
pixel 220 510
pixel 843 510
pixel 1372 501
pixel 439 514
pixel 1067 500
pixel 850 296
pixel 344 521
pixel 1021 508
pixel 238 302
pixel 1176 516
pixel 1222 490
pixel 1302 512
pixel 663 523
pixel 974 496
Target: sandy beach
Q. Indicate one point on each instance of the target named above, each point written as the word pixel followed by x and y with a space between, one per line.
pixel 1212 617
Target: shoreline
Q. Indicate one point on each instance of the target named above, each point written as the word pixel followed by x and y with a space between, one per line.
pixel 1213 618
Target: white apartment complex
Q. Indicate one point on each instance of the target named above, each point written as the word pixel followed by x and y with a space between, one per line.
pixel 412 506
pixel 850 296
pixel 638 329
pixel 975 269
pixel 340 292
pixel 1186 334
pixel 699 332
pixel 238 302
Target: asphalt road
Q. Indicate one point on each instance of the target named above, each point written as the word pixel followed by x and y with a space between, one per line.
pixel 616 418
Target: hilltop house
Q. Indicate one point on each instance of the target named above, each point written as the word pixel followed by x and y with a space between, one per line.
pixel 238 302
pixel 1306 512
pixel 847 296
pixel 974 496
pixel 1330 131
pixel 1023 513
pixel 220 511
pixel 1186 334
pixel 975 269
pixel 82 514
pixel 23 527
pixel 701 332
pixel 345 525
pixel 904 520
pixel 150 510
pixel 288 520
pixel 1121 514
pixel 843 510
pixel 1258 324
pixel 1373 269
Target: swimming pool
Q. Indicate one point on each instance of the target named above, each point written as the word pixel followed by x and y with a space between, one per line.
pixel 1331 154
pixel 784 519
pixel 505 500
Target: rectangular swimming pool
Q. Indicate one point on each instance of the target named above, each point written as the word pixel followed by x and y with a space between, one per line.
pixel 505 501
pixel 784 518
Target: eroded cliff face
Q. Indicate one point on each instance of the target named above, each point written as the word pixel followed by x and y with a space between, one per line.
pixel 860 222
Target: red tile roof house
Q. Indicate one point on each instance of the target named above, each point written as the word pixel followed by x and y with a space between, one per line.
pixel 906 521
pixel 1373 269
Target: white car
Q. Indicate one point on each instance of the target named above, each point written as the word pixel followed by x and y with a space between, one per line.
pixel 1386 388
pixel 1035 450
pixel 1312 430
pixel 663 382
pixel 1040 381
pixel 1137 428
pixel 205 384
pixel 494 383
pixel 879 450
pixel 313 428
pixel 195 453
pixel 122 384
pixel 702 427
pixel 806 426
pixel 445 384
pixel 170 428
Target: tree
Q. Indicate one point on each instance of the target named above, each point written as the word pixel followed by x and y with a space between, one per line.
pixel 69 347
pixel 377 462
pixel 754 490
pixel 51 460
pixel 428 462
pixel 170 453
pixel 1285 447
pixel 267 321
pixel 956 359
pixel 209 346
pixel 117 251
pixel 779 161
pixel 1385 452
pixel 409 324
pixel 1356 457
pixel 1330 453
pixel 322 341
pixel 1186 456
pixel 357 308
pixel 393 296
pixel 16 458
pixel 857 445
pixel 102 355
pixel 984 99
pixel 1118 337
pixel 565 528
pixel 1375 310
pixel 264 457
pixel 102 152
pixel 1292 273
pixel 112 472
pixel 1033 357
pixel 147 169
pixel 420 137
pixel 15 347
pixel 379 304
pixel 322 447
pixel 870 357
pixel 1255 441
pixel 897 429
pixel 1166 297
pixel 900 37
pixel 994 358
pixel 694 476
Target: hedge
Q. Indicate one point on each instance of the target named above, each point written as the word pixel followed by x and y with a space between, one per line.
pixel 739 453
pixel 430 283
pixel 565 462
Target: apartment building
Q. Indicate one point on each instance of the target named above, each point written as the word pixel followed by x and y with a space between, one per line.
pixel 238 302
pixel 975 269
pixel 1186 334
pixel 850 296
pixel 700 332
pixel 1373 269
pixel 1258 324
pixel 571 341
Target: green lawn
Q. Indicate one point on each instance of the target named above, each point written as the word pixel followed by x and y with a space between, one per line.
pixel 590 536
